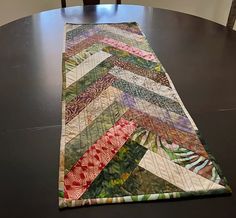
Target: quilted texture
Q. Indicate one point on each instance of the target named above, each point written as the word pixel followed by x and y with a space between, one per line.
pixel 126 135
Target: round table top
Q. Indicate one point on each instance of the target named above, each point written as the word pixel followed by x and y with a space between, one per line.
pixel 200 57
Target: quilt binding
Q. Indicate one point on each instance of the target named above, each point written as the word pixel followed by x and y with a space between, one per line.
pixel 63 203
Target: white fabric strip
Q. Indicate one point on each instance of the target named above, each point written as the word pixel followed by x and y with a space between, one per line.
pixel 143 82
pixel 62 149
pixel 86 53
pixel 86 66
pixel 176 174
pixel 121 32
pixel 70 27
pixel 91 112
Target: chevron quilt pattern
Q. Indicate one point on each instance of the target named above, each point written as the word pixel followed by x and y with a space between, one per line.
pixel 126 135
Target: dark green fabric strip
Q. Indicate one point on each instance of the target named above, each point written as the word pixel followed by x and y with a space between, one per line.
pixel 143 182
pixel 78 58
pixel 127 57
pixel 109 181
pixel 77 146
pixel 83 83
pixel 78 31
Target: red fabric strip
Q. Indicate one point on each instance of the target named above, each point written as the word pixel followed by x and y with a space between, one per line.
pixel 132 50
pixel 87 168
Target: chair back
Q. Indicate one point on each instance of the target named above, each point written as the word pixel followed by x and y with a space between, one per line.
pixel 87 2
pixel 232 15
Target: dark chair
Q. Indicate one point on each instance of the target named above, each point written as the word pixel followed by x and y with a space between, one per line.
pixel 232 15
pixel 87 2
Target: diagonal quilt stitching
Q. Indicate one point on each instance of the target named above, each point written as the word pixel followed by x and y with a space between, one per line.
pixel 116 59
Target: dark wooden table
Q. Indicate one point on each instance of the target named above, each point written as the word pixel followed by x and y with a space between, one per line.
pixel 200 57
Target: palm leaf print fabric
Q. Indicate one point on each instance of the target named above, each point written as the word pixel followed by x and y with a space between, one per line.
pixel 126 135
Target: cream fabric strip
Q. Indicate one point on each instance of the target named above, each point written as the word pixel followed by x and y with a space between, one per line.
pixel 143 82
pixel 175 174
pixel 121 32
pixel 91 112
pixel 86 66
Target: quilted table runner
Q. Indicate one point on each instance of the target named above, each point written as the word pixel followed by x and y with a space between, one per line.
pixel 126 135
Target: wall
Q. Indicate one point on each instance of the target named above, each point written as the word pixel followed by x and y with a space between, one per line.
pixel 215 10
pixel 14 9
